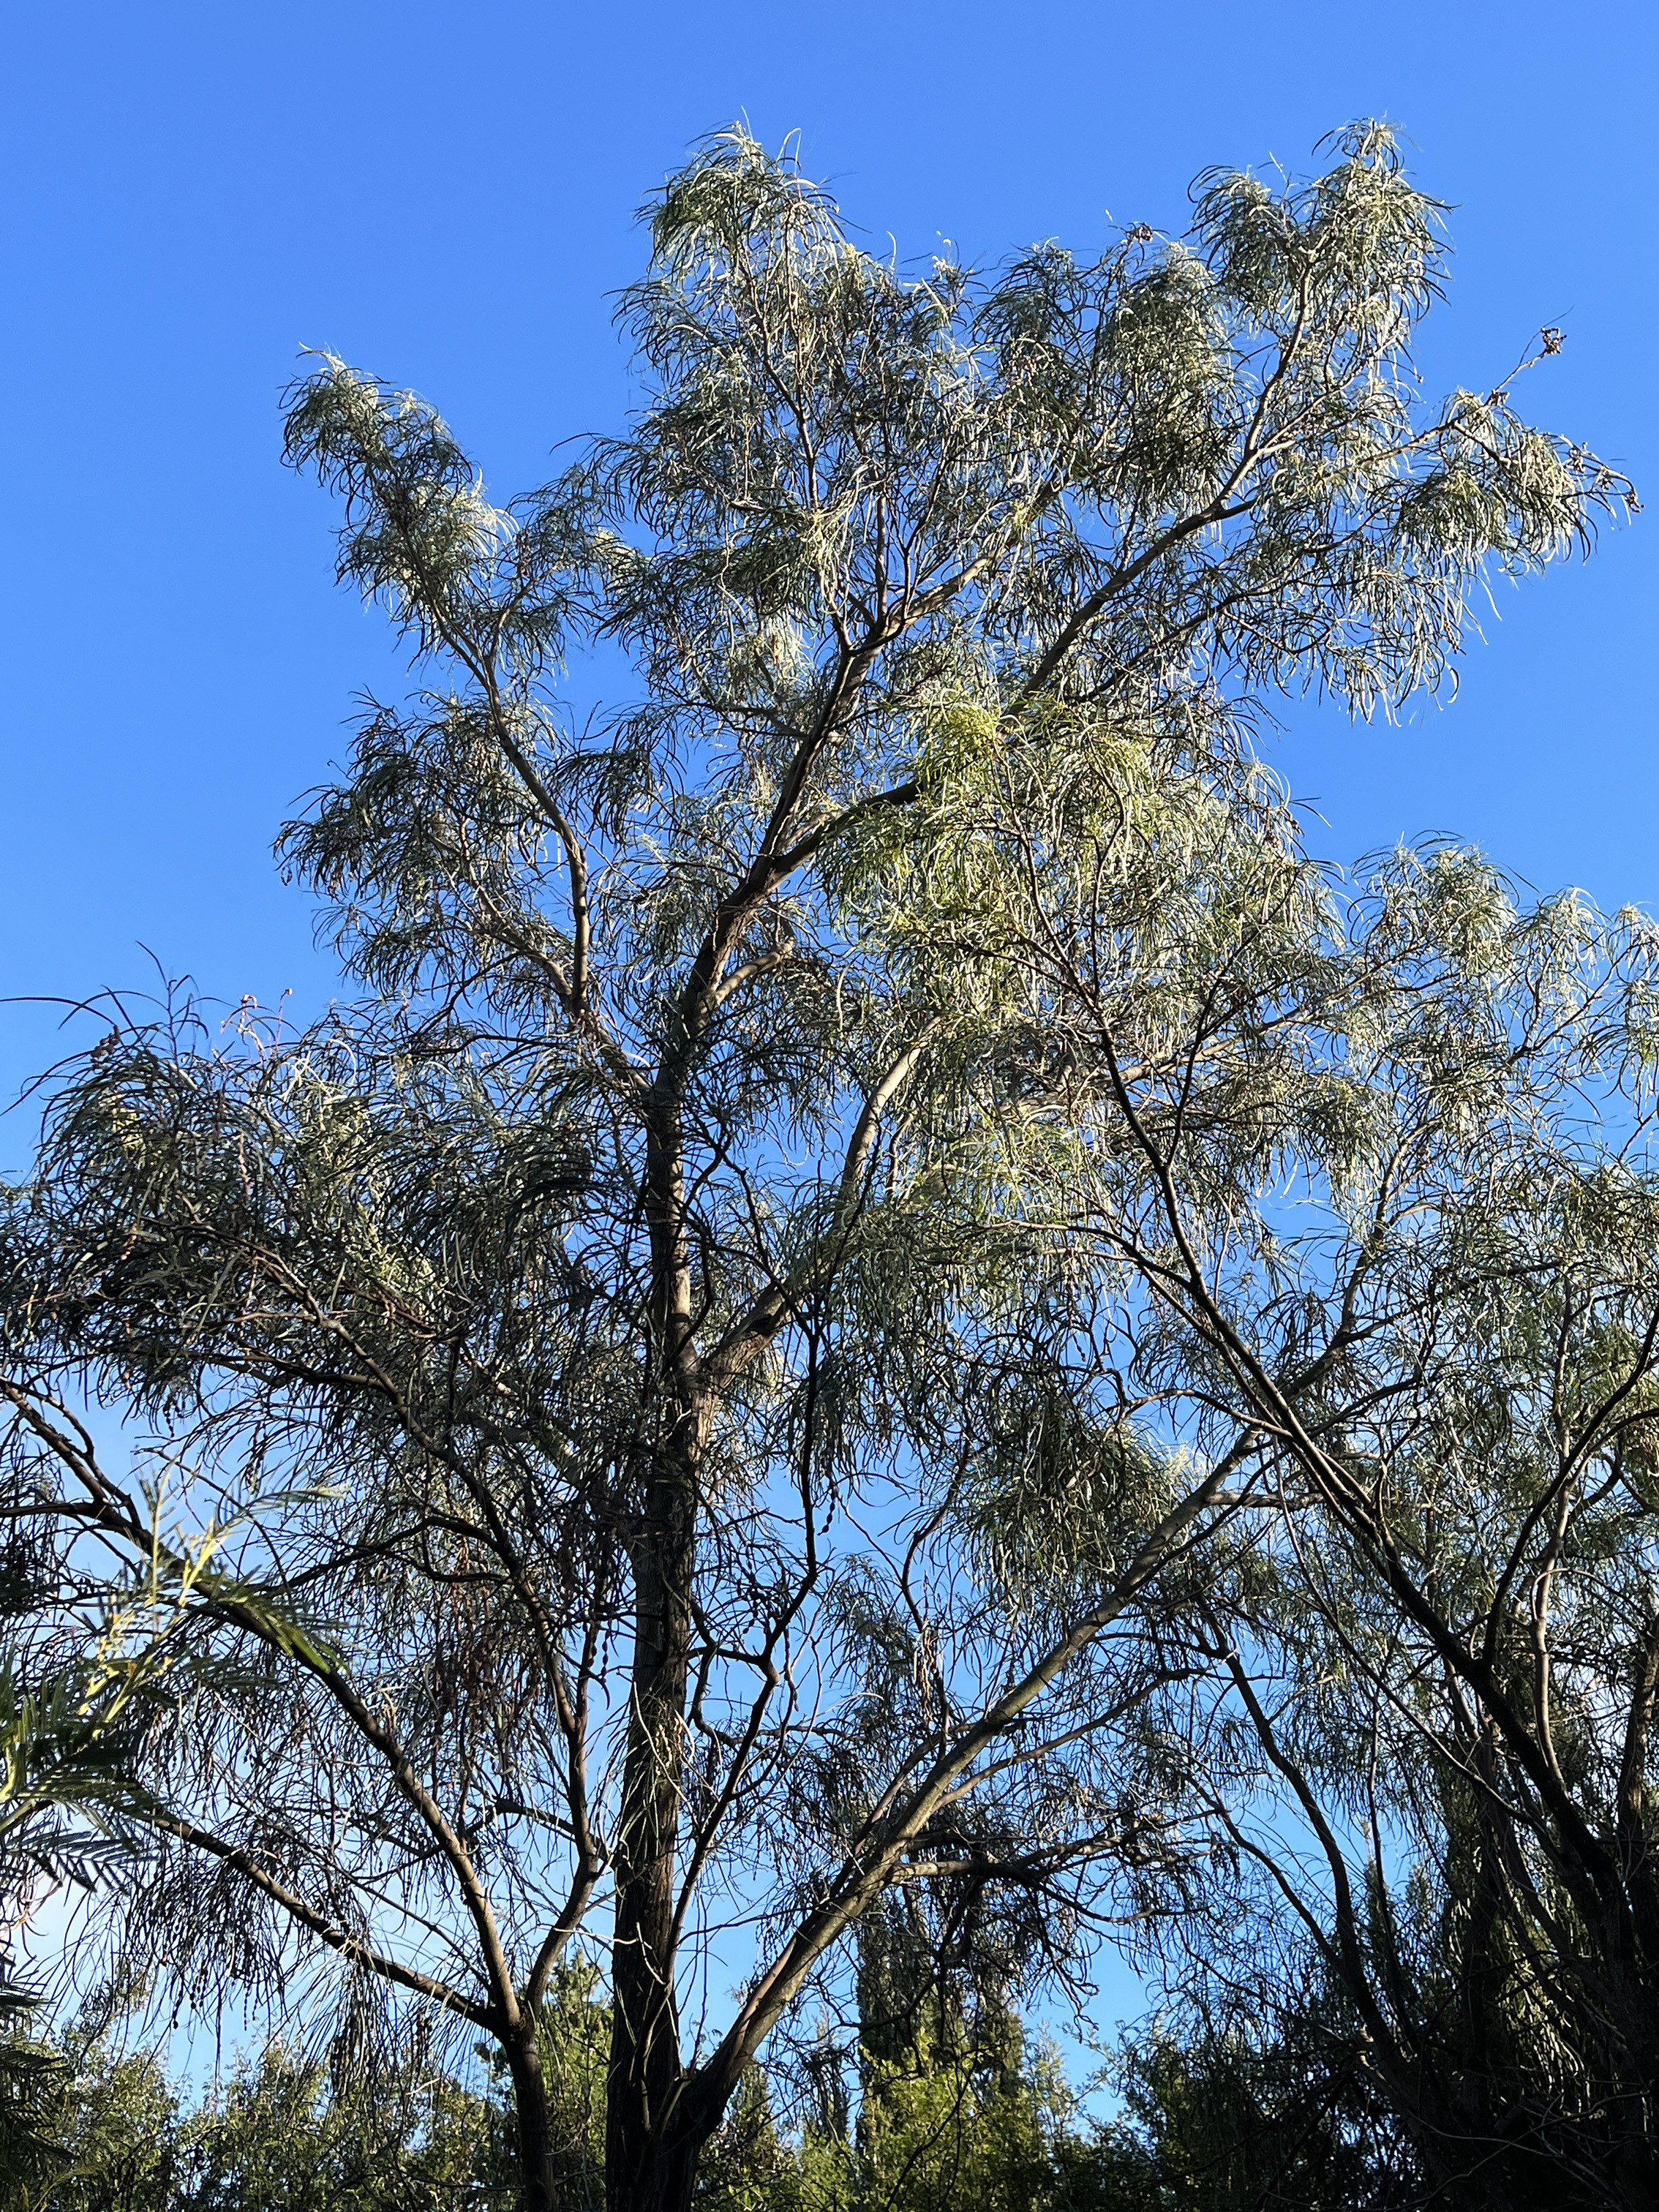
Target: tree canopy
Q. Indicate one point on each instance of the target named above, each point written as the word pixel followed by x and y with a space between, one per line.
pixel 881 1245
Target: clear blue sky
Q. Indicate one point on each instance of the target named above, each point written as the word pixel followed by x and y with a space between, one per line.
pixel 444 193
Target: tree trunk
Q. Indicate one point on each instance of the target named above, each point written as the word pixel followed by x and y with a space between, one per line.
pixel 649 2159
pixel 537 2185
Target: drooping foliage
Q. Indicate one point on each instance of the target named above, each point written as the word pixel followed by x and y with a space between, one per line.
pixel 720 1391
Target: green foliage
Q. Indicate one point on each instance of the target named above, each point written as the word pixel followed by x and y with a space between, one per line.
pixel 120 2140
pixel 938 2128
pixel 293 2133
pixel 885 1246
pixel 749 2166
pixel 32 2081
pixel 575 2049
pixel 1223 2121
pixel 280 2135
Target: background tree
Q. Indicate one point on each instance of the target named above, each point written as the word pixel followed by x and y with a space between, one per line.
pixel 658 1314
pixel 952 2108
pixel 1280 2120
pixel 288 2132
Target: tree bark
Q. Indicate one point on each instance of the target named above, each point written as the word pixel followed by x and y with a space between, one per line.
pixel 537 2183
pixel 645 2113
pixel 643 2119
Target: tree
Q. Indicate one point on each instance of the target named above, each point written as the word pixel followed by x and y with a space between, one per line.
pixel 655 1322
pixel 952 2110
pixel 360 2131
pixel 1279 2121
pixel 1375 1177
pixel 1452 1716
pixel 291 2131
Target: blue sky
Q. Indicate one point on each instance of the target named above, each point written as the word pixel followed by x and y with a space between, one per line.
pixel 444 193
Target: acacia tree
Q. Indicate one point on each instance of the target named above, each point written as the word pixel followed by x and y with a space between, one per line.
pixel 647 1320
pixel 1378 1190
pixel 1429 1721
